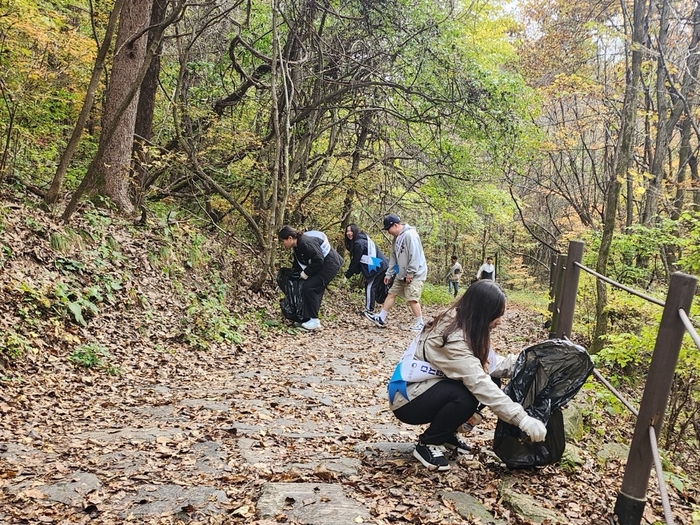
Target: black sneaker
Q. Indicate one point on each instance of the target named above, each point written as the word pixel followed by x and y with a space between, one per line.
pixel 431 456
pixel 458 445
pixel 375 319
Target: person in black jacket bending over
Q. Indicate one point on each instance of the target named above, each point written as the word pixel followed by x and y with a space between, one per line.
pixel 368 259
pixel 316 263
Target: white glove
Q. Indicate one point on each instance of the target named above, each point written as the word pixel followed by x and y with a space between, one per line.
pixel 534 428
pixel 303 276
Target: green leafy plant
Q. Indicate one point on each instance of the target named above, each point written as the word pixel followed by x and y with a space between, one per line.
pixel 109 251
pixel 33 305
pixel 68 265
pixel 208 321
pixel 195 254
pixel 34 226
pixel 90 355
pixel 110 284
pixel 696 514
pixel 74 302
pixel 677 481
pixel 14 345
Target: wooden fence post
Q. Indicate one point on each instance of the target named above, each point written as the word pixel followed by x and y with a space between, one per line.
pixel 631 499
pixel 557 280
pixel 552 274
pixel 569 289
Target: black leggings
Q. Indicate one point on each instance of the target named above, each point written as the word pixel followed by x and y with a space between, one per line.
pixel 445 405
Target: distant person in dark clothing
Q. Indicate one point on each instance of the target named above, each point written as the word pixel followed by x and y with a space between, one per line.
pixel 367 259
pixel 487 270
pixel 316 263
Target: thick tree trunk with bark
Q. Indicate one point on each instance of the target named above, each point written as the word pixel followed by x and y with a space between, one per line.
pixel 115 162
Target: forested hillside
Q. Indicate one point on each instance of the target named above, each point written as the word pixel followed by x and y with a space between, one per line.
pixel 502 129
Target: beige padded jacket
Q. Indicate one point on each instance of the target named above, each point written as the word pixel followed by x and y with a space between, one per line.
pixel 457 361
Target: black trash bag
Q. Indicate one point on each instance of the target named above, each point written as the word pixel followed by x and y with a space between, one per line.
pixel 382 289
pixel 546 376
pixel 290 284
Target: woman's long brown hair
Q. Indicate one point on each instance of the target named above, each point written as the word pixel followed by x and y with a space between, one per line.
pixel 482 303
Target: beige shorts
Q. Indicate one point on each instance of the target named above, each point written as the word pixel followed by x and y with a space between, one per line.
pixel 409 291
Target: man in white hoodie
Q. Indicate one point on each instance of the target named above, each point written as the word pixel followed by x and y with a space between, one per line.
pixel 408 268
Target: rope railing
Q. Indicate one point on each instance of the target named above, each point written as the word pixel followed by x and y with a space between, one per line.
pixel 621 286
pixel 617 394
pixel 665 503
pixel 689 327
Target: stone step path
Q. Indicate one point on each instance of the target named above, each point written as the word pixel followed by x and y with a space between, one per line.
pixel 272 417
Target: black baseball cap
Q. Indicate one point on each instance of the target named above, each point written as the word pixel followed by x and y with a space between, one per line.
pixel 390 220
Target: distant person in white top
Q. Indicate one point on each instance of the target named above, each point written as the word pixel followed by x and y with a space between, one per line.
pixel 453 276
pixel 487 270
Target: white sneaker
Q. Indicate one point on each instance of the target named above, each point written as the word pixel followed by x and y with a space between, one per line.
pixel 417 327
pixel 375 319
pixel 311 324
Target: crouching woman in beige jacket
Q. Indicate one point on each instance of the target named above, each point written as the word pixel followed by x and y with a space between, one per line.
pixel 443 377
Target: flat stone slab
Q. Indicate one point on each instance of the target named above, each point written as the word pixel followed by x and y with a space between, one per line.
pixel 124 463
pixel 310 504
pixel 262 456
pixel 73 490
pixel 469 507
pixel 70 491
pixel 345 466
pixel 211 457
pixel 129 434
pixel 15 453
pixel 163 500
pixel 526 506
pixel 159 413
pixel 389 448
pixel 207 404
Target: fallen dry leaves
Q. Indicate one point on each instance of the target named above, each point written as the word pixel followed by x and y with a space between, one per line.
pixel 274 408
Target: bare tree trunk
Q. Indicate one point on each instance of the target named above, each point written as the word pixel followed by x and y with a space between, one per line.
pixel 280 176
pixel 11 112
pixel 143 129
pixel 349 201
pixel 687 157
pixel 621 164
pixel 663 126
pixel 57 182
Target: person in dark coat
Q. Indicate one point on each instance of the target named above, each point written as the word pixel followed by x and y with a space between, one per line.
pixel 316 263
pixel 367 259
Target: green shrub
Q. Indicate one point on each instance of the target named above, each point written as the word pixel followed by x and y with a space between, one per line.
pixel 437 294
pixel 209 321
pixel 73 302
pixel 90 355
pixel 14 345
